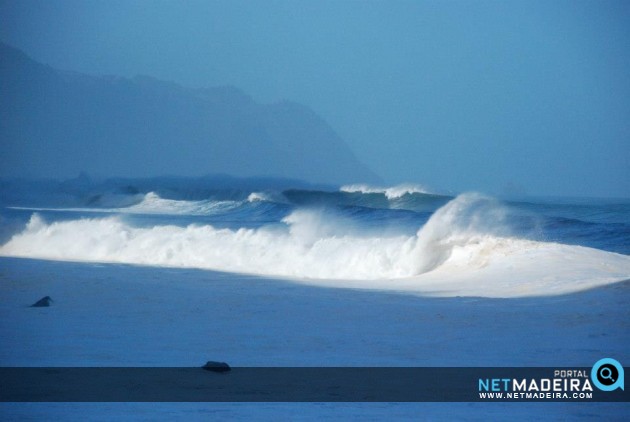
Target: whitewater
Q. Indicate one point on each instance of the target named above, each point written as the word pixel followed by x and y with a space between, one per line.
pixel 174 272
pixel 399 238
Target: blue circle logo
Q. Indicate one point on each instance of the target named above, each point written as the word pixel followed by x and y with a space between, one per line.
pixel 607 375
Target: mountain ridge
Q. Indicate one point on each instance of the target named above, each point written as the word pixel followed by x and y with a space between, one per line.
pixel 59 123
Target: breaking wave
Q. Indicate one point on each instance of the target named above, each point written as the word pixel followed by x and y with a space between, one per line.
pixel 466 241
pixel 393 192
pixel 154 204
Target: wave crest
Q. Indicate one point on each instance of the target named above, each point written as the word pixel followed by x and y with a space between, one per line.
pixel 154 204
pixel 393 192
pixel 463 241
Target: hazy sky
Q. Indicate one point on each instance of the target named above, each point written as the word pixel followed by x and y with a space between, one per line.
pixel 456 95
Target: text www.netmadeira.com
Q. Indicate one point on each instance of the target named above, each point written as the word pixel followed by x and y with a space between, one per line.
pixel 535 395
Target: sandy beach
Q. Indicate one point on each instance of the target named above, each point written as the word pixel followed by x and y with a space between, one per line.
pixel 121 315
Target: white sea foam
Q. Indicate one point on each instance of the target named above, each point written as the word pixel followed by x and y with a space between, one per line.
pixel 152 203
pixel 258 196
pixel 393 192
pixel 462 250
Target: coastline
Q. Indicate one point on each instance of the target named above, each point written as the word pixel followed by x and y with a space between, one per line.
pixel 124 315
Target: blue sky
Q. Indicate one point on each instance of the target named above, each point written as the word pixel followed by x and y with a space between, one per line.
pixel 495 96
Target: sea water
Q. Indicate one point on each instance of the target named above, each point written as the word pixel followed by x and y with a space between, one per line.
pixel 397 237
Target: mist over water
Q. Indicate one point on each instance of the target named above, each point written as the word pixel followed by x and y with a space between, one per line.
pixel 503 97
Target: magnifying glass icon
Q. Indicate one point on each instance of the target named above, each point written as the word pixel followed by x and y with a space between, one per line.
pixel 606 373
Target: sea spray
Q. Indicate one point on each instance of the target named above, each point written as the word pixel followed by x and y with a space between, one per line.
pixel 393 192
pixel 467 220
pixel 472 245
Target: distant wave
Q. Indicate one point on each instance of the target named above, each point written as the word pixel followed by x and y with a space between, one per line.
pixel 261 196
pixel 256 196
pixel 154 204
pixel 393 192
pixel 464 244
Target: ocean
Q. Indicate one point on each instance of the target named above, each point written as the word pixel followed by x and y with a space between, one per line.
pixel 175 273
pixel 402 237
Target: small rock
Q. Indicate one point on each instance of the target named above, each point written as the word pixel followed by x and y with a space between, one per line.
pixel 45 301
pixel 216 366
